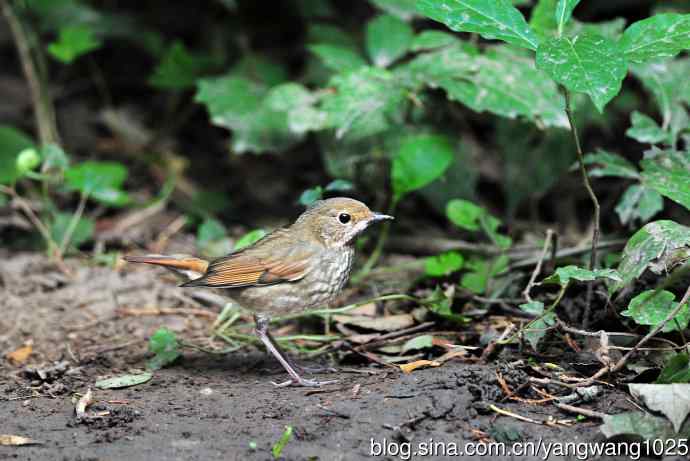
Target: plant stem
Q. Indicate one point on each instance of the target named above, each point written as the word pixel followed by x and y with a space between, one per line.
pixel 53 247
pixel 44 112
pixel 585 180
pixel 592 196
pixel 73 222
pixel 378 249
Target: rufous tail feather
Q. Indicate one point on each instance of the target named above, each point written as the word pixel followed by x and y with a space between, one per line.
pixel 181 263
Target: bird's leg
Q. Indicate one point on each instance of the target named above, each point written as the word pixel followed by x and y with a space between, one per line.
pixel 261 331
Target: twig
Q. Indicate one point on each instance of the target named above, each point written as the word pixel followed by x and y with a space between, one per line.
pixel 42 104
pixel 580 411
pixel 394 334
pixel 566 252
pixel 537 268
pixel 624 360
pixel 593 197
pixel 503 412
pixel 564 326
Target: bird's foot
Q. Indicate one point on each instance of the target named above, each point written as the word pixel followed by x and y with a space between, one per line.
pixel 301 382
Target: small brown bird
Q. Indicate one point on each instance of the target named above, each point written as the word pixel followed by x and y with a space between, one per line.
pixel 298 267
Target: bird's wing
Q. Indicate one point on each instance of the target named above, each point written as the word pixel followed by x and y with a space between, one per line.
pixel 273 259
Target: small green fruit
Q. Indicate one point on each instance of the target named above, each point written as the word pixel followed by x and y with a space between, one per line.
pixel 27 160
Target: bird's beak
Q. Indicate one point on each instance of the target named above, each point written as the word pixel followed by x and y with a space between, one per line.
pixel 380 217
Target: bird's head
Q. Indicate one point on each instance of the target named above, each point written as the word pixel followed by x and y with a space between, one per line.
pixel 337 221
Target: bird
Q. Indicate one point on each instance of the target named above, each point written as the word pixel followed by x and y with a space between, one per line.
pixel 290 269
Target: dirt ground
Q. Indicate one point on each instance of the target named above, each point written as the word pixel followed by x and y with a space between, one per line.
pixel 213 407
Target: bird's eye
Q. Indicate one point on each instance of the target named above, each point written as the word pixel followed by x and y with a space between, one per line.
pixel 344 218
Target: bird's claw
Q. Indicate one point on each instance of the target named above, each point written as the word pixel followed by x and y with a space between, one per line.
pixel 304 383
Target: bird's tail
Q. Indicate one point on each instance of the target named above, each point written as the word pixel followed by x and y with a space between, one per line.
pixel 191 268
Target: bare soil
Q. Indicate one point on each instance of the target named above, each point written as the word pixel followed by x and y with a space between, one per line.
pixel 213 407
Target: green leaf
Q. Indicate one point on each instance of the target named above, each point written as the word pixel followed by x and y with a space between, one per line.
pixel 73 41
pixel 543 19
pixel 668 172
pixel 328 33
pixel 667 81
pixel 420 160
pixel 443 264
pixel 612 29
pixel 677 370
pixel 506 83
pixel 655 241
pixel 564 10
pixel 538 328
pixel 494 20
pixel 640 424
pixel 178 68
pixel 260 69
pixel 482 271
pixel 404 9
pixel 54 158
pixel 249 238
pixel 365 102
pixel 124 381
pixel 431 39
pixel 388 38
pixel 465 214
pixel 587 63
pixel 101 181
pixel 280 444
pixel 210 230
pixel 339 185
pixel 659 36
pixel 163 343
pixel 651 308
pixel 611 165
pixel 564 275
pixel 645 130
pixel 241 105
pixel 442 305
pixel 12 142
pixel 83 231
pixel 639 202
pixel 297 102
pixel 469 216
pixel 418 343
pixel 310 196
pixel 337 58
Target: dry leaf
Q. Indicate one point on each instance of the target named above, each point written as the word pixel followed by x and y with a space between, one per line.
pixel 20 356
pixel 412 366
pixel 451 355
pixel 387 323
pixel 83 403
pixel 16 440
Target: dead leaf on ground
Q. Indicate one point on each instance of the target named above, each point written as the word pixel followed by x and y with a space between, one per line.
pixel 16 440
pixel 83 403
pixel 124 381
pixel 387 323
pixel 412 366
pixel 673 400
pixel 20 356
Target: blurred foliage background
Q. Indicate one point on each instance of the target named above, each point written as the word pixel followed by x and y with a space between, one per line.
pixel 239 112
